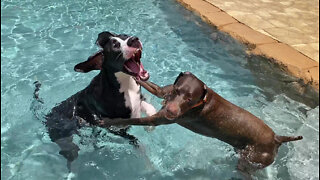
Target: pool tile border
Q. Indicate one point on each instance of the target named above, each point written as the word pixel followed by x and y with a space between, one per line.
pixel 291 60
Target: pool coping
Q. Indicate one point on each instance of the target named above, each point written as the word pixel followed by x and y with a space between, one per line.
pixel 291 61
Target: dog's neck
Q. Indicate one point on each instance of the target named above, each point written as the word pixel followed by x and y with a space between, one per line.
pixel 116 79
pixel 108 78
pixel 210 103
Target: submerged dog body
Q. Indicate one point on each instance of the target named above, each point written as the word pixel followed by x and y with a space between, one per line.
pixel 191 104
pixel 112 93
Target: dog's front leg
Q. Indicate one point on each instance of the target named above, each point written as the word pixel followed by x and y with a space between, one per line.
pixel 155 120
pixel 149 110
pixel 156 90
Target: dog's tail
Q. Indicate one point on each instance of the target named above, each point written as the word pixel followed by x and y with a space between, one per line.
pixel 284 139
pixel 37 102
pixel 37 85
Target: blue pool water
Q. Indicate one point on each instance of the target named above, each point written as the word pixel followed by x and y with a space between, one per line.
pixel 42 40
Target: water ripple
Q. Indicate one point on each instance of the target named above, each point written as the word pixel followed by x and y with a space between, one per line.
pixel 43 40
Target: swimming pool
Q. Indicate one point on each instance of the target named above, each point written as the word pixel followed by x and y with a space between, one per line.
pixel 43 40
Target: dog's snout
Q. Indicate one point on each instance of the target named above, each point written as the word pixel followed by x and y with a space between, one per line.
pixel 134 42
pixel 172 109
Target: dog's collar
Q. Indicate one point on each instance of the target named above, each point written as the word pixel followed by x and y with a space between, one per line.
pixel 204 99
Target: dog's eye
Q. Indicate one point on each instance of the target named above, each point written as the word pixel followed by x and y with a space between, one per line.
pixel 115 43
pixel 189 99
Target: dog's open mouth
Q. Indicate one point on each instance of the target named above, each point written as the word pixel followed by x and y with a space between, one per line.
pixel 134 67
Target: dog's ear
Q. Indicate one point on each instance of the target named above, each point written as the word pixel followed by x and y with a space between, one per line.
pixel 181 74
pixel 103 38
pixel 94 62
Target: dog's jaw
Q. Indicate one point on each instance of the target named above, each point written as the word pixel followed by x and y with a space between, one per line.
pixel 132 55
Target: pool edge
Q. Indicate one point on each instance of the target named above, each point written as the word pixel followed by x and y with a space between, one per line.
pixel 292 61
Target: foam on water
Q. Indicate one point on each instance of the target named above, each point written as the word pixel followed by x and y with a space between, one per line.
pixel 43 40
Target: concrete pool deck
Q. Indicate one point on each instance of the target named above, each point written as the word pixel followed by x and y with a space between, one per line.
pixel 286 32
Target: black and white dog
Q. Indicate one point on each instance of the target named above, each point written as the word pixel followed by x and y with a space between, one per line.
pixel 113 93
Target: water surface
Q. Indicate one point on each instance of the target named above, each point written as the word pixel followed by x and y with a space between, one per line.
pixel 43 40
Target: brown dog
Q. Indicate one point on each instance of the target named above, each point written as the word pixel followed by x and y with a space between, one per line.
pixel 191 104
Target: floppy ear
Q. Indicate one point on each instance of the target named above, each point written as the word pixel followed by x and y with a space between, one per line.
pixel 103 38
pixel 94 62
pixel 181 74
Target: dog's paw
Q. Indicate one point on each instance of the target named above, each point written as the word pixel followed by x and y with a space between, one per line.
pixel 104 123
pixel 107 122
pixel 149 128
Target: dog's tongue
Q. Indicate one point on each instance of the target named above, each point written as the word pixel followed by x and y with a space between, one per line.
pixel 137 70
pixel 143 74
pixel 135 67
pixel 132 66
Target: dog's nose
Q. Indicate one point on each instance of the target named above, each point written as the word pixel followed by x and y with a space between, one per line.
pixel 134 42
pixel 172 109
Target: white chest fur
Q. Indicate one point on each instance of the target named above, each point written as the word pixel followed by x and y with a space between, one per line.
pixel 131 91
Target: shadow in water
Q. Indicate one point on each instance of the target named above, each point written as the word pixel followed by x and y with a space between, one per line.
pixel 274 80
pixel 226 53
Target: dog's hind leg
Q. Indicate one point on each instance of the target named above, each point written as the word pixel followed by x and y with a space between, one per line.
pixel 252 159
pixel 69 150
pixel 60 131
pixel 139 146
pixel 242 167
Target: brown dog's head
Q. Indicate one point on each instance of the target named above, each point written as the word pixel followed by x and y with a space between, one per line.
pixel 119 53
pixel 188 92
